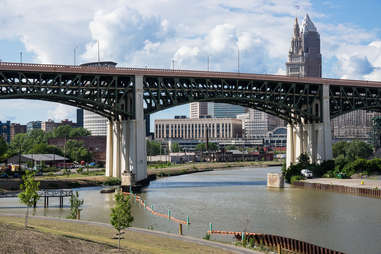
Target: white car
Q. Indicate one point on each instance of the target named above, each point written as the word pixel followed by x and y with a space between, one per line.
pixel 306 173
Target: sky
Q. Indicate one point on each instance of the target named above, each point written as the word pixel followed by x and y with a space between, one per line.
pixel 152 33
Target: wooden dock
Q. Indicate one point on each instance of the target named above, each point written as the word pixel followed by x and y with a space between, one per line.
pixel 61 194
pixel 46 194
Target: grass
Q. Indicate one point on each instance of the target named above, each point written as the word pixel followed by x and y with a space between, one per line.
pixel 134 242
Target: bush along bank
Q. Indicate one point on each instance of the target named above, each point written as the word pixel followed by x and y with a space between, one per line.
pixel 293 172
pixel 338 168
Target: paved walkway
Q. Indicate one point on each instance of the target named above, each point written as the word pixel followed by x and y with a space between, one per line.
pixel 367 183
pixel 213 244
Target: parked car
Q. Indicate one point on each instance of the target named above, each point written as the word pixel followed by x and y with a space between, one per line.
pixel 306 173
pixel 4 175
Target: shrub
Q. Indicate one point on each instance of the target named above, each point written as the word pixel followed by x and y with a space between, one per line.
pixel 359 165
pixel 292 170
pixel 112 181
pixel 374 165
pixel 296 178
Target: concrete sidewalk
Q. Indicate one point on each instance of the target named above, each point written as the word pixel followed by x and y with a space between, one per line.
pixel 367 182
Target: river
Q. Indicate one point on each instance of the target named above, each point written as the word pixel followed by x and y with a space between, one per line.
pixel 238 200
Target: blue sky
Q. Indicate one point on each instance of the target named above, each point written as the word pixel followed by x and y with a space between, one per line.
pixel 153 32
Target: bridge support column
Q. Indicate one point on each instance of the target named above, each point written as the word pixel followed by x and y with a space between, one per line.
pixel 314 139
pixel 116 149
pixel 109 149
pixel 290 152
pixel 137 130
pixel 324 144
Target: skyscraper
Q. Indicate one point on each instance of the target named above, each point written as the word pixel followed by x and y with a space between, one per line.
pixel 304 58
pixel 95 123
pixel 215 110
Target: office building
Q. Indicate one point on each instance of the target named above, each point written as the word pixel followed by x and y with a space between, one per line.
pixel 95 123
pixel 5 131
pixel 256 124
pixel 16 129
pixel 33 125
pixel 79 117
pixel 215 110
pixel 304 58
pixel 213 128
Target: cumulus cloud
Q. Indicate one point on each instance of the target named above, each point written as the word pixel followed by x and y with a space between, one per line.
pixel 61 112
pixel 152 33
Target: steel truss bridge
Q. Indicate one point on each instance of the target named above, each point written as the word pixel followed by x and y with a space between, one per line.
pixel 125 95
pixel 108 91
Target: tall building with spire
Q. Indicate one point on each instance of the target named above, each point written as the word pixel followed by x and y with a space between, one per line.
pixel 304 58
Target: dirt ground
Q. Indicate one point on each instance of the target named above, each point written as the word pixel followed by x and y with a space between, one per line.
pixel 17 240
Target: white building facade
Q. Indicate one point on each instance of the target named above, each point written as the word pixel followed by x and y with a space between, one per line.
pixel 95 123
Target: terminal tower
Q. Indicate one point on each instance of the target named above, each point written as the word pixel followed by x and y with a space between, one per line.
pixel 304 58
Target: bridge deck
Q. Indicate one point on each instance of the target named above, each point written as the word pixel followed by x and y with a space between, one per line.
pixel 7 66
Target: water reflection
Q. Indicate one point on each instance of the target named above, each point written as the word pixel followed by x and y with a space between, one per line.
pixel 238 200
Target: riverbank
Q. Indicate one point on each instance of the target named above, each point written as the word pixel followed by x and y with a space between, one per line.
pixel 49 235
pixel 362 187
pixel 190 168
pixel 54 182
pixel 77 181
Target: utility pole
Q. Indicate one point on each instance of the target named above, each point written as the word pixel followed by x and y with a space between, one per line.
pixel 20 57
pixel 208 62
pixel 238 59
pixel 173 64
pixel 65 155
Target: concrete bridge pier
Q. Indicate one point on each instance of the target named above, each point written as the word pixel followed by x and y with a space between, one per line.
pixel 126 151
pixel 314 138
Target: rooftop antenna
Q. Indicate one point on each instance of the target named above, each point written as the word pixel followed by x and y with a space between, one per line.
pixel 75 56
pixel 99 58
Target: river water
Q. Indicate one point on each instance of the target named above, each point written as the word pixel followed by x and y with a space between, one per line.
pixel 238 200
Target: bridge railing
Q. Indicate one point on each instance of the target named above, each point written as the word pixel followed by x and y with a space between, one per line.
pixel 183 73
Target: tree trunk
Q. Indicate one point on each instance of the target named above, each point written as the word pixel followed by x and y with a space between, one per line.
pixel 26 217
pixel 119 240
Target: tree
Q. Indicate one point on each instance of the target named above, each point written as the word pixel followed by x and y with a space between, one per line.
pixel 3 148
pixel 339 148
pixel 75 203
pixel 77 151
pixel 175 147
pixel 201 147
pixel 121 217
pixel 358 149
pixel 29 195
pixel 79 132
pixel 45 149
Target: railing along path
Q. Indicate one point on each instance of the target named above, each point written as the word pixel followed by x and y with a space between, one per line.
pixel 151 210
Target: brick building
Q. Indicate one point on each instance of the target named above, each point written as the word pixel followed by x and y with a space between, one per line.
pixel 95 144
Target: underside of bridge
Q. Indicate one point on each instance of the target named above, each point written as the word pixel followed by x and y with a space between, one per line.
pixel 125 95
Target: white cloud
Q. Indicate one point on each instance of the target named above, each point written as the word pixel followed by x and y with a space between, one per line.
pixel 153 32
pixel 61 112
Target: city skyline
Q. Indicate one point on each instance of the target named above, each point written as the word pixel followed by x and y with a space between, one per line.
pixel 351 41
